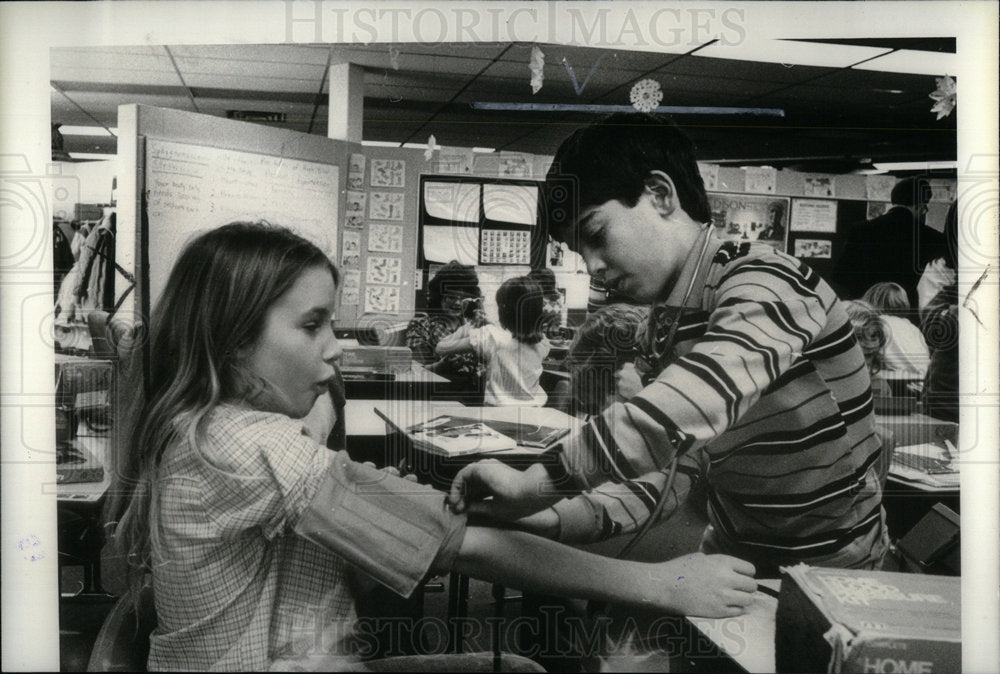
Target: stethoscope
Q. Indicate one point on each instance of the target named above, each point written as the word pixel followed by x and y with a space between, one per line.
pixel 669 342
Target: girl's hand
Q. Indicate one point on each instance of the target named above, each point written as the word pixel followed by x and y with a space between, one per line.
pixel 704 586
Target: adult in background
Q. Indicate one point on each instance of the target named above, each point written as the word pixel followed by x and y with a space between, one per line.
pixel 453 300
pixel 894 247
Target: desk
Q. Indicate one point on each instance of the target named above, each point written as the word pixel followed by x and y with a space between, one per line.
pixel 747 640
pixel 417 383
pixel 906 502
pixel 439 470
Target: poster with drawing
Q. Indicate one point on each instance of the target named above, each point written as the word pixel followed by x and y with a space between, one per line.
pixel 384 270
pixel 357 164
pixel 388 173
pixel 352 242
pixel 805 248
pixel 381 299
pixel 354 221
pixel 385 238
pixel 514 165
pixel 355 203
pixel 709 175
pixel 879 188
pixel 386 206
pixel 749 217
pixel 760 179
pixel 350 260
pixel 819 186
pixel 355 181
pixel 352 288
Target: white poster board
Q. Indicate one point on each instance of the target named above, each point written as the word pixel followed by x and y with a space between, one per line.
pixel 192 188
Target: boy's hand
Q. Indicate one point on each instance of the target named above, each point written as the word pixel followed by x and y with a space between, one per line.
pixel 628 383
pixel 704 586
pixel 511 493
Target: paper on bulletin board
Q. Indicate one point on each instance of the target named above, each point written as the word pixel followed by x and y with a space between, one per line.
pixel 750 217
pixel 819 186
pixel 760 179
pixel 355 221
pixel 352 288
pixel 388 173
pixel 352 242
pixel 453 162
pixel 517 204
pixel 879 188
pixel 356 164
pixel 814 215
pixel 350 260
pixel 501 246
pixel 384 270
pixel 381 299
pixel 443 243
pixel 514 165
pixel 453 202
pixel 709 175
pixel 355 202
pixel 355 181
pixel 385 238
pixel 806 248
pixel 386 206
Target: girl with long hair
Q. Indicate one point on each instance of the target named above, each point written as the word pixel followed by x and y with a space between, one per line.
pixel 246 524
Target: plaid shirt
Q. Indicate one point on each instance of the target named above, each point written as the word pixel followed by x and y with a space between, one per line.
pixel 235 587
pixel 422 336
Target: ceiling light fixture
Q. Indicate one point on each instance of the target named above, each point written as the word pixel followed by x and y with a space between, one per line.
pixel 914 165
pixel 381 143
pixel 913 62
pixel 70 130
pixel 606 109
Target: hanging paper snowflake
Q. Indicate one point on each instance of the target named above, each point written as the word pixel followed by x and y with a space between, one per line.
pixel 646 95
pixel 945 95
pixel 537 67
pixel 432 146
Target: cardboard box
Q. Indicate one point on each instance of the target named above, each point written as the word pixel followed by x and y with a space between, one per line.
pixel 842 620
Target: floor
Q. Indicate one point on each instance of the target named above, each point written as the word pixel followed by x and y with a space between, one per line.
pixel 81 619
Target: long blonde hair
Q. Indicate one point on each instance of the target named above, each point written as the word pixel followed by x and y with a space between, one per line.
pixel 212 308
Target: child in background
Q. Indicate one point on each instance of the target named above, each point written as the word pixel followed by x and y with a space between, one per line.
pixel 514 351
pixel 906 355
pixel 247 524
pixel 601 358
pixel 870 333
pixel 551 299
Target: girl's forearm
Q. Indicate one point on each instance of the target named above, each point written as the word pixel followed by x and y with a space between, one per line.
pixel 521 560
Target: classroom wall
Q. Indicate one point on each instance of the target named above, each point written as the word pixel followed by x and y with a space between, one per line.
pixel 86 182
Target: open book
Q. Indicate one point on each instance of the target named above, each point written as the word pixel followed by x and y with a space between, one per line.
pixel 456 435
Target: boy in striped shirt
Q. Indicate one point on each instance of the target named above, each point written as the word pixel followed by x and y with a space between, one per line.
pixel 750 361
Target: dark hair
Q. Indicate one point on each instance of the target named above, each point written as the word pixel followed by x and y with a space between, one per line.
pixel 213 307
pixel 607 340
pixel 452 278
pixel 610 160
pixel 546 280
pixel 911 192
pixel 520 309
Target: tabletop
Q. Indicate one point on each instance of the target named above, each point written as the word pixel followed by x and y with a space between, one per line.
pixel 747 639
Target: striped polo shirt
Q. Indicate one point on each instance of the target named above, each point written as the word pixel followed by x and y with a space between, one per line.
pixel 766 394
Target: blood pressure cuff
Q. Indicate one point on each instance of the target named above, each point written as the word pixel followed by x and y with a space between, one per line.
pixel 395 530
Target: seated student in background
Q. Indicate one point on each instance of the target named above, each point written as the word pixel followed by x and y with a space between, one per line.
pixel 551 299
pixel 939 324
pixel 762 371
pixel 514 351
pixel 870 333
pixel 601 359
pixel 453 301
pixel 247 524
pixel 905 355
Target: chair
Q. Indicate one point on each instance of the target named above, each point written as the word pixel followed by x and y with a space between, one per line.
pixel 122 645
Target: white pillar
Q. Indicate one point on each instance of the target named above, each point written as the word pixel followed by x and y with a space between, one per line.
pixel 346 102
